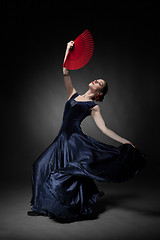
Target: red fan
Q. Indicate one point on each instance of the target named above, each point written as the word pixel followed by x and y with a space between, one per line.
pixel 81 52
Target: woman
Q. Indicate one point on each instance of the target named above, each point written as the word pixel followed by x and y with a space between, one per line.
pixel 63 176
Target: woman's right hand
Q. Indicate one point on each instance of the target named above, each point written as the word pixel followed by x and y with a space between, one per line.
pixel 70 44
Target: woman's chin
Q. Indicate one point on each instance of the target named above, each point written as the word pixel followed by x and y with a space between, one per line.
pixel 90 85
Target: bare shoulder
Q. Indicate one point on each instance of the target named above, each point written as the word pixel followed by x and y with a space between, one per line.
pixel 73 92
pixel 96 108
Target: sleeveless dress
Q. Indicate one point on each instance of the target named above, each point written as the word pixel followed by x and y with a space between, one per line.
pixel 63 176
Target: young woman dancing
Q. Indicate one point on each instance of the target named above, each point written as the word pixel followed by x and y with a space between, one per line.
pixel 63 176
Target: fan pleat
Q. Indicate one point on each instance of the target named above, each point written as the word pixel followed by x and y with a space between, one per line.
pixel 81 53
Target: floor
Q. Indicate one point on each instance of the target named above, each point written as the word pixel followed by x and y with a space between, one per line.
pixel 129 210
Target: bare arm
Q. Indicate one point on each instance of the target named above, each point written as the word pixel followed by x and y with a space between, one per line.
pixel 96 114
pixel 67 79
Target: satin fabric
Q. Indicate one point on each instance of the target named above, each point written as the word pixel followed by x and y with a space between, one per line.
pixel 63 176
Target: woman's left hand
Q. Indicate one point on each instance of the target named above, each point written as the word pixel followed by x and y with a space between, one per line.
pixel 128 142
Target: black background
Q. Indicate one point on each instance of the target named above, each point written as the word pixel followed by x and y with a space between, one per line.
pixel 34 35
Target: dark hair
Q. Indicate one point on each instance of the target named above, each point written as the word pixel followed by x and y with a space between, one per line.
pixel 104 91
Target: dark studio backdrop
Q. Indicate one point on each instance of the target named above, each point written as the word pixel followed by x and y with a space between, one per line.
pixel 34 37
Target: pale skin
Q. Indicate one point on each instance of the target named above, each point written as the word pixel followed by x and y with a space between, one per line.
pixel 95 88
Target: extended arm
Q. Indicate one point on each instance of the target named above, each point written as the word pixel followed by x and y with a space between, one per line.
pixel 67 79
pixel 96 114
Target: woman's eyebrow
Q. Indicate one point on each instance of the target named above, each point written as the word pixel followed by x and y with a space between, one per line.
pixel 101 83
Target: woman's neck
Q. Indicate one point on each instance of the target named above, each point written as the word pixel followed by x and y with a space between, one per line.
pixel 88 95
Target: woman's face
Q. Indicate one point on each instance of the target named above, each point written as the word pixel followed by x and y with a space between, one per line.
pixel 97 85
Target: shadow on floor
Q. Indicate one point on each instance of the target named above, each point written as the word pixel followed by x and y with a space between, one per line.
pixel 107 203
pixel 103 204
pixel 98 208
pixel 122 201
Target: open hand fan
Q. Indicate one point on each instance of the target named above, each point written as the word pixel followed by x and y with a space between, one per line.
pixel 81 52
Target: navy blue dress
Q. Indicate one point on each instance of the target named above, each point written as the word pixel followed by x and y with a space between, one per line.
pixel 63 176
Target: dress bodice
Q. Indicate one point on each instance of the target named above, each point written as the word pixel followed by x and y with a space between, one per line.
pixel 74 113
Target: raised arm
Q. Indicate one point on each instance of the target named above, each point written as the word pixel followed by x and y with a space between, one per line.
pixel 67 79
pixel 96 114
